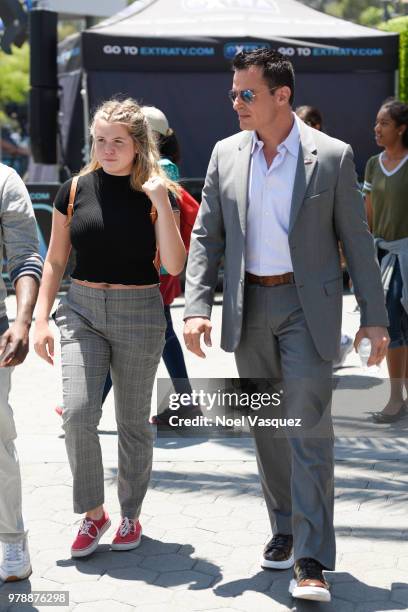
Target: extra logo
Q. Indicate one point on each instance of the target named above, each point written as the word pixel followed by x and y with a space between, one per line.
pixel 232 48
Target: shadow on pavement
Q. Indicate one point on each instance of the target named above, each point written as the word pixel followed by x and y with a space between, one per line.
pixel 18 592
pixel 155 563
pixel 347 593
pixel 210 483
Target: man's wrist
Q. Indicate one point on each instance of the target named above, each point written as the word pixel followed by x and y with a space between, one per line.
pixel 24 322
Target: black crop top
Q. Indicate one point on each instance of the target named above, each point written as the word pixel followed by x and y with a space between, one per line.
pixel 111 230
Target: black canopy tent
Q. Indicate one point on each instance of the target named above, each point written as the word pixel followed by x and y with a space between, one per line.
pixel 177 56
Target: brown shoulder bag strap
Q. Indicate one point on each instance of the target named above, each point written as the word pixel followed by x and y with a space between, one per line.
pixel 72 193
pixel 153 214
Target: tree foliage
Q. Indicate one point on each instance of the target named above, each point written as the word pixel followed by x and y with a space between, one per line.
pixel 371 16
pixel 366 12
pixel 400 25
pixel 66 28
pixel 14 80
pixel 353 9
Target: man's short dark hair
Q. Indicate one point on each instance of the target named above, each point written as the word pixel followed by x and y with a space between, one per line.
pixel 277 69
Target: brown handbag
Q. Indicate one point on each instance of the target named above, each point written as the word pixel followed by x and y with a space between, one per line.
pixel 70 212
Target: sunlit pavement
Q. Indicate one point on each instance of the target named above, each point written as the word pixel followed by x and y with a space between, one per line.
pixel 204 518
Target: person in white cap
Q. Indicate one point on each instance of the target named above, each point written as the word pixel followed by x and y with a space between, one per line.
pixel 170 285
pixel 167 141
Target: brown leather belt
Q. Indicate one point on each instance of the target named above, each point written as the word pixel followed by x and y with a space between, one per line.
pixel 270 281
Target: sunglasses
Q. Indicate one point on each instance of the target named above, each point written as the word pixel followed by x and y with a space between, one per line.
pixel 246 95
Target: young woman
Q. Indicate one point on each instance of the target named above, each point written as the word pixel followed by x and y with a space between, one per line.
pixel 170 286
pixel 386 188
pixel 113 315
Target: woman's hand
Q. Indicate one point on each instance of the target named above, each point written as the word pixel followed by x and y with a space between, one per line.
pixel 168 239
pixel 155 188
pixel 44 341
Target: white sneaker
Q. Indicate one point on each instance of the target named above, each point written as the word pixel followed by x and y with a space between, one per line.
pixel 16 561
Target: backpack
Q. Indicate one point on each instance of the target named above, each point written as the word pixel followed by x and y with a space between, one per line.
pixel 188 213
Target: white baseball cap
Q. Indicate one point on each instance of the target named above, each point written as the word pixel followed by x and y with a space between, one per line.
pixel 157 120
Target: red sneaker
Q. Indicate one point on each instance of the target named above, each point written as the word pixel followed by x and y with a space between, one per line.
pixel 89 534
pixel 128 535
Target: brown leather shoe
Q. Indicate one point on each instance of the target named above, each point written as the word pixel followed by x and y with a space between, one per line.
pixel 278 553
pixel 309 582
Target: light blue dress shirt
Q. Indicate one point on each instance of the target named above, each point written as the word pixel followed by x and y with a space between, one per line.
pixel 270 197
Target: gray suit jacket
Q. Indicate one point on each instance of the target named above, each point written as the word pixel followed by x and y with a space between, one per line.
pixel 327 206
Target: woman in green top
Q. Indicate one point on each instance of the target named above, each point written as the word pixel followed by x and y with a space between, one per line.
pixel 386 189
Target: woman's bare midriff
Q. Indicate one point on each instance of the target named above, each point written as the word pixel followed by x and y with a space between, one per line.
pixel 110 285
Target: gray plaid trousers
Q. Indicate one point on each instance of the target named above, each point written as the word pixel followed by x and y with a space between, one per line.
pixel 120 329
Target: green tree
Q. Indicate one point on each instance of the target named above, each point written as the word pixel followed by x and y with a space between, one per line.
pixel 352 9
pixel 14 81
pixel 66 28
pixel 334 8
pixel 371 16
pixel 400 25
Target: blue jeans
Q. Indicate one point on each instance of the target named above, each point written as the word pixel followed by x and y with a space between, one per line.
pixel 398 327
pixel 174 359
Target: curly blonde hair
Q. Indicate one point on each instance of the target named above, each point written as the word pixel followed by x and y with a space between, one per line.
pixel 146 163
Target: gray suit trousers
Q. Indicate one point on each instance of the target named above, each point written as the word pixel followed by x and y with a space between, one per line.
pixel 296 464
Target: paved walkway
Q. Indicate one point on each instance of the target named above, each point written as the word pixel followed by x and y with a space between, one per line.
pixel 204 518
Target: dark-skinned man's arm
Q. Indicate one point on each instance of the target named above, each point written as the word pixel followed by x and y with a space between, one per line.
pixel 18 236
pixel 14 342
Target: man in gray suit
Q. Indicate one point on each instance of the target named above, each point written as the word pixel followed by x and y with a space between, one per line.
pixel 277 199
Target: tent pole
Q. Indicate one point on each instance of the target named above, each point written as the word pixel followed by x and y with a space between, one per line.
pixel 85 104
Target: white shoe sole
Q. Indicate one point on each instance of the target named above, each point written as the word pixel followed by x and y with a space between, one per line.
pixel 278 565
pixel 84 552
pixel 310 593
pixel 15 578
pixel 129 545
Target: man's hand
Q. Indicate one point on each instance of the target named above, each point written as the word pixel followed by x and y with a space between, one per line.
pixel 379 342
pixel 193 328
pixel 14 345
